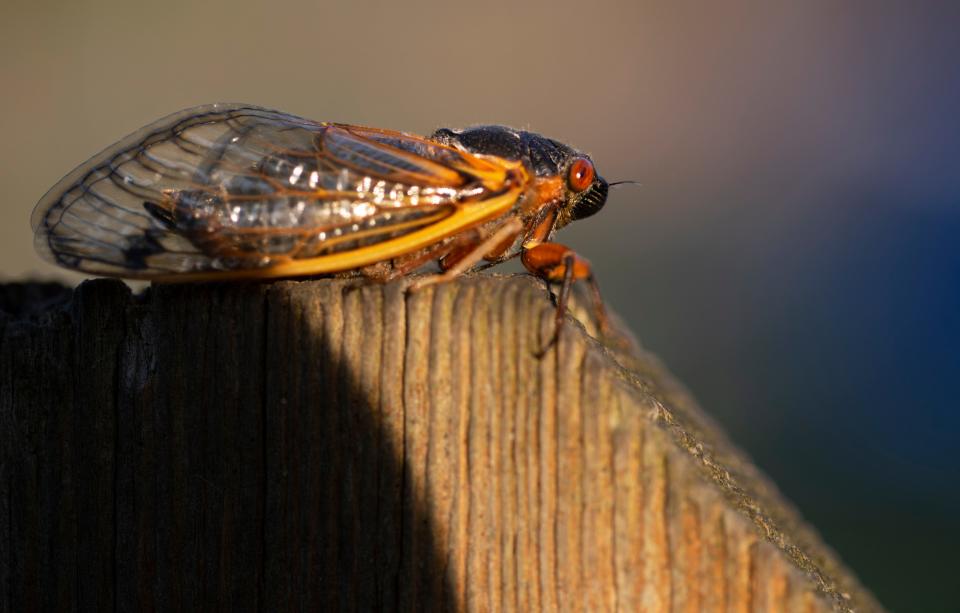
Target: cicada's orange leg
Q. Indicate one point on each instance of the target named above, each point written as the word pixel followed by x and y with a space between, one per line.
pixel 461 260
pixel 556 263
pixel 384 272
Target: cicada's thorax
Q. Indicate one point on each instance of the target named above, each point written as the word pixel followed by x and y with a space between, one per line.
pixel 548 200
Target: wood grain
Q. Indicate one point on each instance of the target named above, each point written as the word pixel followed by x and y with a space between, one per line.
pixel 317 445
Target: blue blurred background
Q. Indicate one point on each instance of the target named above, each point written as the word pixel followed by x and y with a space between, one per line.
pixel 792 253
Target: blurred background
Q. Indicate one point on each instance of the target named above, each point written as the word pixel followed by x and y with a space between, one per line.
pixel 792 253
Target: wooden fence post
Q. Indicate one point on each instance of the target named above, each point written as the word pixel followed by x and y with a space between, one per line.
pixel 314 446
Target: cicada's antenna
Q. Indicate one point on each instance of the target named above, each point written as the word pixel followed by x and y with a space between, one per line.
pixel 624 183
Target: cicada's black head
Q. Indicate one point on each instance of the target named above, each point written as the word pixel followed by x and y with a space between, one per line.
pixel 585 191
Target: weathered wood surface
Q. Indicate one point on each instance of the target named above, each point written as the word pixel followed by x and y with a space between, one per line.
pixel 305 446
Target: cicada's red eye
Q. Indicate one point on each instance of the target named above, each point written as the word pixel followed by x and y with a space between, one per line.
pixel 581 174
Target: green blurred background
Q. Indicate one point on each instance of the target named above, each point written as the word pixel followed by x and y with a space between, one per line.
pixel 792 253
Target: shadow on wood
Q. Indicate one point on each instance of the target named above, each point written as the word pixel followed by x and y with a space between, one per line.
pixel 306 446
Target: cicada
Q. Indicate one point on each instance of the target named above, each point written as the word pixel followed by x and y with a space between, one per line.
pixel 229 191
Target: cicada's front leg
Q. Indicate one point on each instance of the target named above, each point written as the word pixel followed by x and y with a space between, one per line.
pixel 556 263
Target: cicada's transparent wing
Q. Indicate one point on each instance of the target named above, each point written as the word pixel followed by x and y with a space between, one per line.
pixel 224 187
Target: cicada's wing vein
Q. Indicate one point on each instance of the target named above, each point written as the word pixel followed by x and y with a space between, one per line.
pixel 234 186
